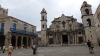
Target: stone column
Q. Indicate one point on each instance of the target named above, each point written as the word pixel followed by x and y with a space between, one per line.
pixel 75 39
pixel 61 39
pixel 16 42
pixel 21 42
pixel 10 37
pixel 31 41
pixel 6 41
pixel 68 39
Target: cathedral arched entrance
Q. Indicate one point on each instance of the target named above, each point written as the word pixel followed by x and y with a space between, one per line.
pixel 2 40
pixel 13 40
pixel 65 39
pixel 80 39
pixel 50 41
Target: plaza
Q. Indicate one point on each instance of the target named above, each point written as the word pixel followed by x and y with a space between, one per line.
pixel 57 51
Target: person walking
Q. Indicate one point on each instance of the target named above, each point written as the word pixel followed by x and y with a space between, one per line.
pixel 34 49
pixel 92 46
pixel 89 45
pixel 3 49
pixel 10 49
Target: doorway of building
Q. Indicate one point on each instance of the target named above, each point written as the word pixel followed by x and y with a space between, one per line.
pixel 64 39
pixel 50 41
pixel 80 39
pixel 2 40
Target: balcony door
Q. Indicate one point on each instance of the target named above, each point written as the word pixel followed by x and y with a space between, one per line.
pixel 2 27
pixel 24 29
pixel 32 31
pixel 14 28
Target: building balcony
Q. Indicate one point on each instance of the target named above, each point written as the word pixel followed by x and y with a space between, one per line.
pixel 18 31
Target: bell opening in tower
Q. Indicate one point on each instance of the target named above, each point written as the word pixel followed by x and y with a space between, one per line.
pixel 64 39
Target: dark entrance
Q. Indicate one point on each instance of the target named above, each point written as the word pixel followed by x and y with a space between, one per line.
pixel 2 40
pixel 80 39
pixel 24 42
pixel 50 40
pixel 13 41
pixel 65 39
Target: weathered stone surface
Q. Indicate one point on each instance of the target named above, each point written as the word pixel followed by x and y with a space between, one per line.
pixel 57 51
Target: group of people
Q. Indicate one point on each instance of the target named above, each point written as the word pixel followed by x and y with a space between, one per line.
pixel 90 46
pixel 9 49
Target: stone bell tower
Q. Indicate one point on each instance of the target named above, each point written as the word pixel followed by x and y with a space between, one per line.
pixel 43 27
pixel 3 12
pixel 88 22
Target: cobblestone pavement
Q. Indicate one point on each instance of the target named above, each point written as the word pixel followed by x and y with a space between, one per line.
pixel 57 51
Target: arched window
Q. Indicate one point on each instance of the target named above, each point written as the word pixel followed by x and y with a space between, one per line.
pixel 14 27
pixel 42 26
pixel 42 17
pixel 2 27
pixel 88 22
pixel 87 11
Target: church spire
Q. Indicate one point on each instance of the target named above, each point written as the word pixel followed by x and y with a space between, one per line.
pixel 85 4
pixel 43 11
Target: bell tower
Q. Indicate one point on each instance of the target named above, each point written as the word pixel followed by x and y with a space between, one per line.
pixel 43 27
pixel 88 22
pixel 3 12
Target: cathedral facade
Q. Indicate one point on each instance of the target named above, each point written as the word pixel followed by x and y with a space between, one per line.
pixel 66 29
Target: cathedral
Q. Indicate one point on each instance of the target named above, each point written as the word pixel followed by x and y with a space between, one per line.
pixel 66 29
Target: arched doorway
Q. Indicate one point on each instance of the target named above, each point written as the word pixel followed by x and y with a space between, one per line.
pixel 2 40
pixel 19 42
pixel 13 41
pixel 80 39
pixel 29 41
pixel 50 41
pixel 24 42
pixel 65 39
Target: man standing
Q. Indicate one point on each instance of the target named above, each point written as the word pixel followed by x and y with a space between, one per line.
pixel 34 49
pixel 10 49
pixel 89 46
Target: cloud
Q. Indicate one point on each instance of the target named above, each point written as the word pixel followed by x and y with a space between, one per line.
pixel 29 10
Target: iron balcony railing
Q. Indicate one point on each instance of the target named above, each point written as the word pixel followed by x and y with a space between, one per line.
pixel 22 32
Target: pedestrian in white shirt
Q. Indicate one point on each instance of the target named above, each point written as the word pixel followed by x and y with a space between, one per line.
pixel 3 49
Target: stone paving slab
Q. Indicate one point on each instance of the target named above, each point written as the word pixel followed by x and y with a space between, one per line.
pixel 57 51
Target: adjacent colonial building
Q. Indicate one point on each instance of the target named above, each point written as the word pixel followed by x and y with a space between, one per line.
pixel 15 31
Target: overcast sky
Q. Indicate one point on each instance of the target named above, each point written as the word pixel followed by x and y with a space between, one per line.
pixel 29 10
